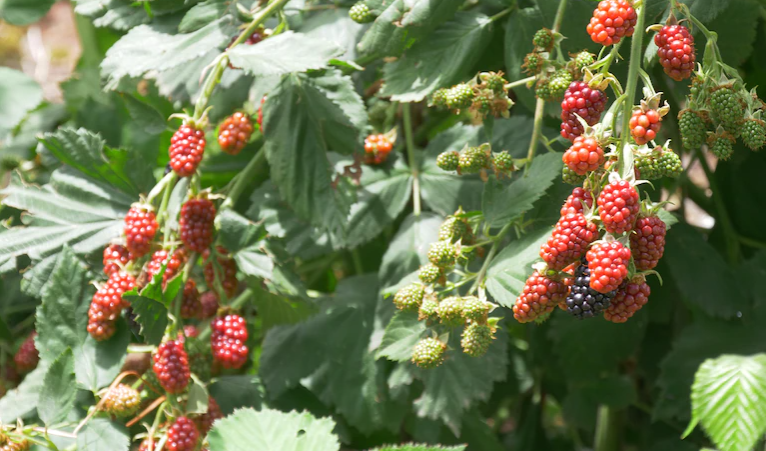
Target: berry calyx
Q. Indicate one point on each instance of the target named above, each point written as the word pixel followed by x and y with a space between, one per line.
pixel 608 264
pixel 569 241
pixel 171 365
pixel 539 297
pixel 585 155
pixel 190 305
pixel 196 224
pixel 27 357
pixel 122 400
pixel 442 254
pixel 226 271
pixel 140 227
pixel 409 297
pixel 448 160
pixel 187 146
pixel 116 256
pixel 753 133
pixel 229 334
pixel 630 297
pixel 692 127
pixel 647 242
pixel 360 13
pixel 612 20
pixel 376 149
pixel 675 48
pixel 182 435
pixel 577 201
pixel 618 206
pixel 476 338
pixel 235 132
pixel 583 301
pixel 428 353
pixel 584 101
pixel 644 125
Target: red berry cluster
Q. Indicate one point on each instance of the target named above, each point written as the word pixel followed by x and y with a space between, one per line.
pixel 187 146
pixel 644 125
pixel 259 119
pixel 209 305
pixel 584 101
pixel 106 305
pixel 182 435
pixel 376 149
pixel 235 132
pixel 27 357
pixel 190 304
pixel 540 296
pixel 116 256
pixel 618 206
pixel 574 204
pixel 140 227
pixel 569 241
pixel 585 155
pixel 630 297
pixel 675 47
pixel 205 421
pixel 171 365
pixel 647 243
pixel 612 20
pixel 196 224
pixel 227 275
pixel 608 264
pixel 174 263
pixel 229 334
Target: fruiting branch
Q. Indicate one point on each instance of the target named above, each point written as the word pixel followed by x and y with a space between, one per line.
pixel 411 157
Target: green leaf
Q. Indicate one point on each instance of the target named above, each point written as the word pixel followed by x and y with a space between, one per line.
pixel 285 53
pixel 729 400
pixel 145 49
pixel 401 335
pixel 20 93
pixel 502 203
pixel 23 12
pixel 58 392
pixel 97 363
pixel 72 209
pixel 336 26
pixel 271 430
pixel 236 392
pixel 244 239
pixel 60 322
pixel 145 116
pixel 151 315
pixel 414 447
pixel 409 247
pixel 117 14
pixel 736 27
pixel 509 271
pixel 688 255
pixel 204 13
pixel 88 153
pixel 274 309
pixel 439 61
pixel 197 401
pixel 304 124
pixel 22 401
pixel 100 434
pixel 401 22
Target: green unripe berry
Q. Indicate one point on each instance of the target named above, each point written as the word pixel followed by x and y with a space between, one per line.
pixel 648 167
pixel 429 273
pixel 429 308
pixel 439 97
pixel 753 133
pixel 533 62
pixel 722 146
pixel 571 177
pixel 543 39
pixel 409 297
pixel 669 164
pixel 448 160
pixel 727 108
pixel 360 13
pixel 428 353
pixel 475 310
pixel 442 254
pixel 450 311
pixel 473 160
pixel 495 83
pixel 476 339
pixel 453 229
pixel 692 128
pixel 558 84
pixel 583 60
pixel 503 161
pixel 122 400
pixel 460 97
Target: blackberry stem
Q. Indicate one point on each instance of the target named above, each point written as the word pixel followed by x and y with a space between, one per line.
pixel 630 92
pixel 410 142
pixel 490 256
pixel 607 429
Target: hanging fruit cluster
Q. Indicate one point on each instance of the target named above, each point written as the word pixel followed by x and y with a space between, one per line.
pixel 485 95
pixel 478 160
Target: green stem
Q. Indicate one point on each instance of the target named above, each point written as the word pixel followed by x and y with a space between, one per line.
pixel 502 13
pixel 559 16
pixel 611 57
pixel 240 181
pixel 414 167
pixel 607 429
pixel 358 266
pixel 490 256
pixel 630 89
pixel 536 129
pixel 521 82
pixel 730 234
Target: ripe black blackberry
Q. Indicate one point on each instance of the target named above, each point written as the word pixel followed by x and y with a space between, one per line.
pixel 583 301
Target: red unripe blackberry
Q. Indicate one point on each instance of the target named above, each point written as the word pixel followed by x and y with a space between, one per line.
pixel 205 421
pixel 109 296
pixel 585 155
pixel 191 331
pixel 227 340
pixel 182 435
pixel 148 445
pixel 580 100
pixel 196 225
pixel 101 323
pixel 608 264
pixel 174 263
pixel 116 256
pixel 27 357
pixel 644 125
pixel 630 297
pixel 539 297
pixel 209 305
pixel 376 149
pixel 171 365
pixel 259 119
pixel 140 227
pixel 675 47
pixel 618 206
pixel 190 304
pixel 612 20
pixel 575 201
pixel 187 146
pixel 122 400
pixel 569 241
pixel 227 271
pixel 647 242
pixel 235 132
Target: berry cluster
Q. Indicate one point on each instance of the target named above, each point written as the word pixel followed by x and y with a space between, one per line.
pixel 122 400
pixel 171 366
pixel 675 48
pixel 195 226
pixel 229 334
pixel 583 101
pixel 585 155
pixel 116 256
pixel 612 20
pixel 483 96
pixel 187 146
pixel 476 160
pixel 235 132
pixel 27 357
pixel 377 148
pixel 107 304
pixel 140 227
pixel 224 268
pixel 541 294
pixel 629 298
pixel 657 163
